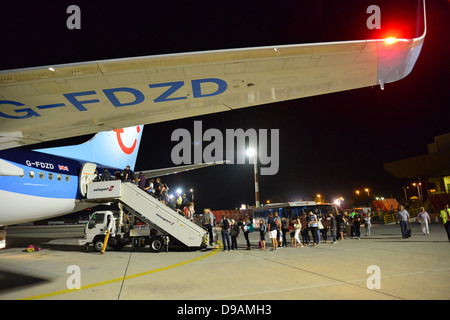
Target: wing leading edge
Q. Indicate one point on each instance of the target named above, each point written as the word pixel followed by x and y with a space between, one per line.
pixel 55 102
pixel 174 170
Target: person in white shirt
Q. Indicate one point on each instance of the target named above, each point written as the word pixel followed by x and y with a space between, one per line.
pixel 367 224
pixel 403 217
pixel 424 219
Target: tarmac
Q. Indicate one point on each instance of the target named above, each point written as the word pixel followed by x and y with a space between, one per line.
pixel 382 266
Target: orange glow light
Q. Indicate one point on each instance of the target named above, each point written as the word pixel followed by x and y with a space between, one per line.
pixel 390 40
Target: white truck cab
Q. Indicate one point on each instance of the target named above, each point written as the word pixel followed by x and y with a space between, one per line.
pixel 121 232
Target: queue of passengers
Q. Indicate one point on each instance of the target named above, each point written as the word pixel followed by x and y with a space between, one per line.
pixel 229 229
pixel 311 228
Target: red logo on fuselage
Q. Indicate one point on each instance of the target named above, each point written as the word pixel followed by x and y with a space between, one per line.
pixel 127 150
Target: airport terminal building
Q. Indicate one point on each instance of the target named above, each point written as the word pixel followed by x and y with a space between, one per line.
pixel 431 169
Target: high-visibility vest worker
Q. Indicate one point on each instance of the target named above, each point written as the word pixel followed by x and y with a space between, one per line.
pixel 445 215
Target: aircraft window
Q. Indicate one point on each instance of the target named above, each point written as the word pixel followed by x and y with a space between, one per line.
pixel 31 174
pixel 67 178
pixel 41 175
pixel 59 177
pixel 50 176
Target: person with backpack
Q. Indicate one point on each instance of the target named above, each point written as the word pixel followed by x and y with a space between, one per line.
pixel 357 225
pixel 106 175
pixel 272 228
pixel 278 227
pixel 128 175
pixel 333 226
pixel 284 230
pixel 313 225
pixel 326 227
pixel 247 227
pixel 262 234
pixel 207 221
pixel 234 233
pixel 225 226
pixel 340 226
pixel 305 230
pixel 158 188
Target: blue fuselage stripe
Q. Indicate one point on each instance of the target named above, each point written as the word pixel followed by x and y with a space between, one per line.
pixel 54 176
pixel 44 167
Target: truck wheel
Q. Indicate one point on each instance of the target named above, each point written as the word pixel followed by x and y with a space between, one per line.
pixel 119 245
pixel 98 244
pixel 157 244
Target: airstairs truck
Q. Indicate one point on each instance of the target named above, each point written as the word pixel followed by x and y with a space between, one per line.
pixel 141 221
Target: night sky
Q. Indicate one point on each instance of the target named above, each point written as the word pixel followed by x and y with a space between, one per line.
pixel 331 144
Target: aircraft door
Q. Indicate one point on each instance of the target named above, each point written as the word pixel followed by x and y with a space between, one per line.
pixel 86 177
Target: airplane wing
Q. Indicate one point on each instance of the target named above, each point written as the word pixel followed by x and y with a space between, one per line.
pixel 8 169
pixel 61 101
pixel 173 170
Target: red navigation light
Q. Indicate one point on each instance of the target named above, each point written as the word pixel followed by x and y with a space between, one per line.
pixel 390 40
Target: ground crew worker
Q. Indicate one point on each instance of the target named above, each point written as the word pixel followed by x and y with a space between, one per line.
pixel 445 215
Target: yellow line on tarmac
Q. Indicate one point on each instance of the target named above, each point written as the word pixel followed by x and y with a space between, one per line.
pixel 98 284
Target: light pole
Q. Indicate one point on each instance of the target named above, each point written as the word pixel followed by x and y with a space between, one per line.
pixel 421 190
pixel 192 192
pixel 418 190
pixel 406 196
pixel 252 152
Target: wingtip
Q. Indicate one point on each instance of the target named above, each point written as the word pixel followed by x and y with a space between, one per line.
pixel 397 57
